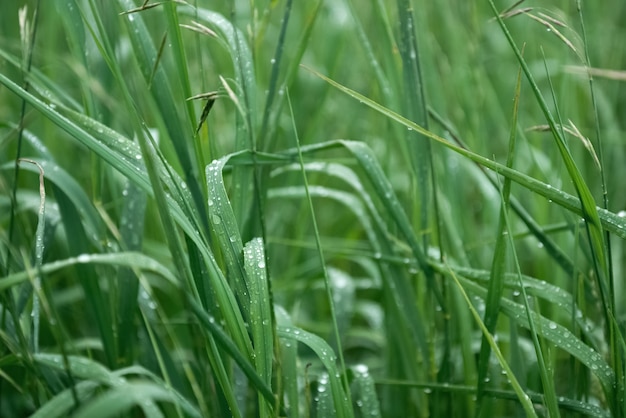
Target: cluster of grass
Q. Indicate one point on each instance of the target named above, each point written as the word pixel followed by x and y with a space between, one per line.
pixel 331 209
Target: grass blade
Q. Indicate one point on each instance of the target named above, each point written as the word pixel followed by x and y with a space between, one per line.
pixel 496 279
pixel 610 221
pixel 524 399
pixel 261 321
pixel 328 359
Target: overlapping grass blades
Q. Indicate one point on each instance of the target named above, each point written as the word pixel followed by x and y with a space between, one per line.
pixel 220 286
pixel 120 393
pixel 610 221
pixel 496 278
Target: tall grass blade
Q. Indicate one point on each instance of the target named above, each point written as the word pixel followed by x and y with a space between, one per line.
pixel 131 233
pixel 261 320
pixel 415 109
pixel 498 264
pixel 322 261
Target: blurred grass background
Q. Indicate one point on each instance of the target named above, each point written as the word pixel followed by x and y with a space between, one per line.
pixel 143 291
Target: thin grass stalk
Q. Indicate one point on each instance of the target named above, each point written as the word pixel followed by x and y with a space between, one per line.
pixel 8 302
pixel 599 145
pixel 320 252
pixel 523 398
pixel 498 265
pixel 26 68
pixel 550 398
pixel 385 86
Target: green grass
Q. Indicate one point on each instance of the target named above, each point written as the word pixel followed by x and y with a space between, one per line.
pixel 326 209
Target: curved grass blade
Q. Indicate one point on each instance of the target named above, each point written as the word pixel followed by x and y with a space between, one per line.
pixel 118 400
pixel 404 310
pixel 566 404
pixel 66 184
pixel 226 229
pixel 559 299
pixel 121 259
pixel 94 376
pixel 327 357
pixel 64 402
pixel 550 330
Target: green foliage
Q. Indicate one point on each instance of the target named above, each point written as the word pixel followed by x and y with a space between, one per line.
pixel 328 209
